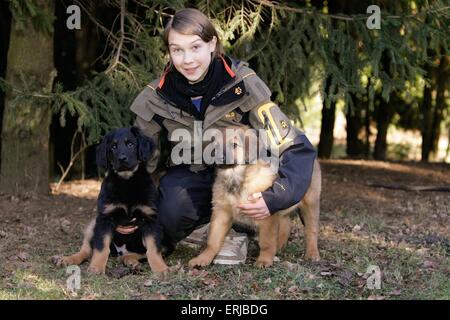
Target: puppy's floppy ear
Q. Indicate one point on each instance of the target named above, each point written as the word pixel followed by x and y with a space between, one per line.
pixel 101 155
pixel 251 146
pixel 145 144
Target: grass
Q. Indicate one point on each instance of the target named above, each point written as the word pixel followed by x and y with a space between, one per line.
pixel 341 275
pixel 404 234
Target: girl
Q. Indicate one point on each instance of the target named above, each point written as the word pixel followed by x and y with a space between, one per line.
pixel 202 88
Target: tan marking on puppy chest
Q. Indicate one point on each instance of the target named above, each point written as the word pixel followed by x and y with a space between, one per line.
pixel 148 211
pixel 110 207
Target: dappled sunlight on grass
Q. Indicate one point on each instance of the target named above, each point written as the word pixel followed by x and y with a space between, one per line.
pixel 365 239
pixel 88 189
pixel 28 285
pixel 414 169
pixel 404 233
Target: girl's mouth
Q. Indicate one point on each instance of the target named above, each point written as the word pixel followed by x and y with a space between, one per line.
pixel 190 70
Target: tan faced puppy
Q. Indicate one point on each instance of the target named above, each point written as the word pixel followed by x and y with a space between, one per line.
pixel 233 185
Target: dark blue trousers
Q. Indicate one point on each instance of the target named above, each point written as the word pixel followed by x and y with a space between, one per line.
pixel 184 202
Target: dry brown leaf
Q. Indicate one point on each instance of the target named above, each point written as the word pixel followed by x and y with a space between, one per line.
pixel 428 264
pixel 396 292
pixel 23 255
pixel 197 273
pixel 293 289
pixel 148 283
pixel 158 296
pixel 91 296
pixel 290 266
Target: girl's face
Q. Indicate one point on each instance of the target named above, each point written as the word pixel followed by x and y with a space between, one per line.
pixel 190 55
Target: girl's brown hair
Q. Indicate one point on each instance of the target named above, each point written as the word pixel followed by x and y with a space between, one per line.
pixel 191 21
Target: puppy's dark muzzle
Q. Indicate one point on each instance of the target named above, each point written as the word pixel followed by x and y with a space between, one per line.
pixel 123 158
pixel 122 163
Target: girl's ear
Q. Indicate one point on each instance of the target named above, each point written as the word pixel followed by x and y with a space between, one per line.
pixel 212 44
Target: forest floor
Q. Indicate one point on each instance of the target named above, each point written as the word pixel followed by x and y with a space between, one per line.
pixel 404 234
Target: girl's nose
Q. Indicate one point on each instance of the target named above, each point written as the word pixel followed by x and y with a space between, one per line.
pixel 187 58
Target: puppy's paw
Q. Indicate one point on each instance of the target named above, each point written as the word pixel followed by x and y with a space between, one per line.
pixel 61 261
pixel 200 261
pixel 161 273
pixel 263 263
pixel 312 256
pixel 93 269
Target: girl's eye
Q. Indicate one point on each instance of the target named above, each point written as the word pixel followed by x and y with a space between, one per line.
pixel 195 47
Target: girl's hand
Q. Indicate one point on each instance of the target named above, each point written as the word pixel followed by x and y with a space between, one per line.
pixel 257 209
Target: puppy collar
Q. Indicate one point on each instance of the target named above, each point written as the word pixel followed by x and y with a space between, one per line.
pixel 126 229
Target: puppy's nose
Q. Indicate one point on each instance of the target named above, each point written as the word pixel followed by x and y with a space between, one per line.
pixel 123 158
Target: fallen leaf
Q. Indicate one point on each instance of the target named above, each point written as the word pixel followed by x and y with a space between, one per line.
pixel 267 281
pixel 197 272
pixel 119 272
pixel 427 264
pixel 210 282
pixel 337 265
pixel 290 266
pixel 306 289
pixel 157 296
pixel 148 283
pixel 65 225
pixel 136 295
pixel 395 292
pixel 293 289
pixel 277 290
pixel 376 297
pixel 23 255
pixel 347 275
pixel 177 268
pixel 310 276
pixel 92 296
pixel 255 286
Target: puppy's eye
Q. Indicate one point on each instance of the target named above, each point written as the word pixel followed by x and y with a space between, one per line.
pixel 114 146
pixel 130 144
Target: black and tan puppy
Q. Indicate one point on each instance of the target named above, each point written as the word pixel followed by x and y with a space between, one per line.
pixel 233 184
pixel 126 213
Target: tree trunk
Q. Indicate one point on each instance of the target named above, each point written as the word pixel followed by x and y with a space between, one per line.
pixel 326 131
pixel 368 133
pixel 355 147
pixel 25 137
pixel 441 86
pixel 427 111
pixel 5 29
pixel 384 116
pixel 447 152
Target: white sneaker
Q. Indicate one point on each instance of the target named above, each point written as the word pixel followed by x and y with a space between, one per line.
pixel 234 249
pixel 197 238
